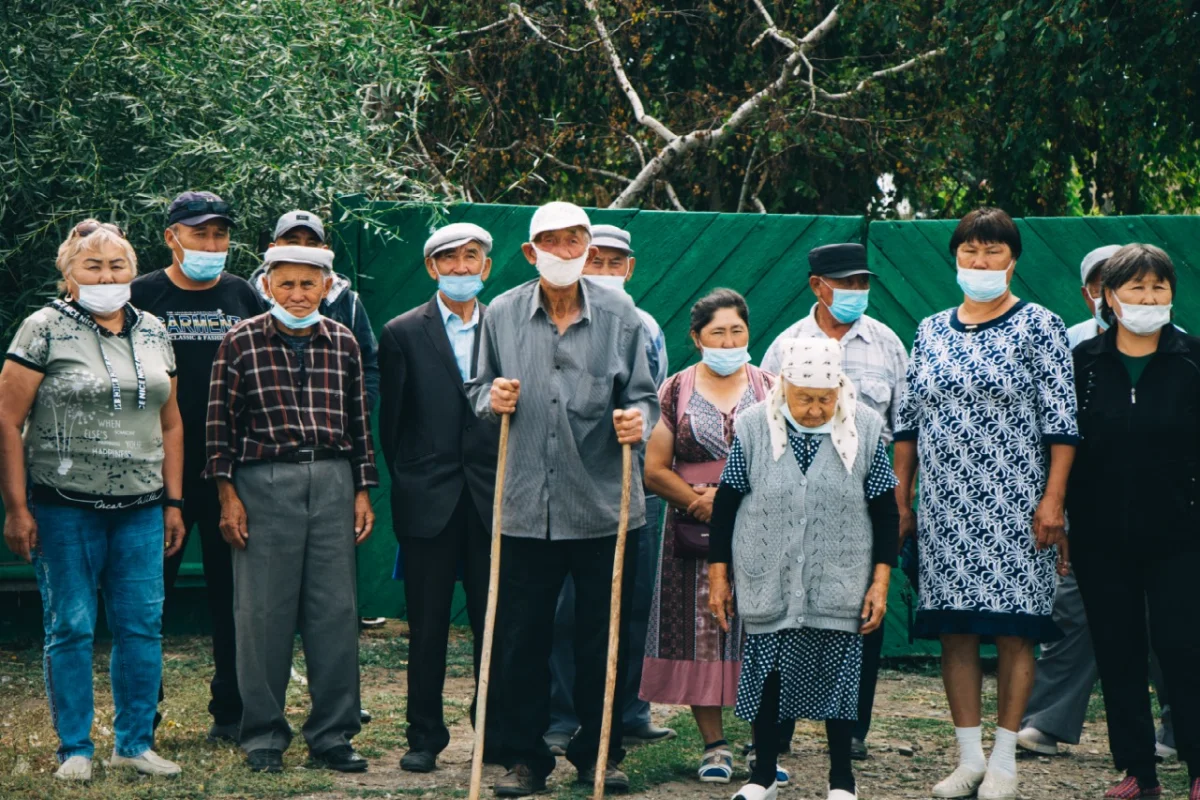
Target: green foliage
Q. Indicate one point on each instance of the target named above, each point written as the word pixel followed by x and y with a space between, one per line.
pixel 111 107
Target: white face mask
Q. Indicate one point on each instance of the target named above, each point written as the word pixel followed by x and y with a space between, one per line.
pixel 614 282
pixel 1143 320
pixel 559 271
pixel 102 298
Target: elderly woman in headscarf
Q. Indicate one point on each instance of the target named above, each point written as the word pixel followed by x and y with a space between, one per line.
pixel 806 515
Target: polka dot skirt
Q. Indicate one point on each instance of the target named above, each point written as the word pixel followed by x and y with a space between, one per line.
pixel 819 673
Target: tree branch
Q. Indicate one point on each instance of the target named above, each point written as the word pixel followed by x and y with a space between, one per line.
pixel 593 170
pixel 457 34
pixel 639 111
pixel 893 70
pixel 744 195
pixel 673 196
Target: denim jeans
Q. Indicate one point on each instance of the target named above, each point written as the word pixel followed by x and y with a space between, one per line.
pixel 120 553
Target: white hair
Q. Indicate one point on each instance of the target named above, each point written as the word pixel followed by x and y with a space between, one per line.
pixel 77 243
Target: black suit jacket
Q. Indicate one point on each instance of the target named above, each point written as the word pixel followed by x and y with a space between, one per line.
pixel 433 443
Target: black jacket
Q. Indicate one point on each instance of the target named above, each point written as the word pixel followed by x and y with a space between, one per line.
pixel 432 441
pixel 1135 480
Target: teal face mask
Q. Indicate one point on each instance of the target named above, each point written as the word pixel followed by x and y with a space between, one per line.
pixel 983 285
pixel 798 428
pixel 848 304
pixel 725 360
pixel 289 320
pixel 202 266
pixel 460 288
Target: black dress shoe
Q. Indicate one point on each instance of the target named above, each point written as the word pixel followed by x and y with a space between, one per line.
pixel 858 749
pixel 419 761
pixel 341 758
pixel 265 760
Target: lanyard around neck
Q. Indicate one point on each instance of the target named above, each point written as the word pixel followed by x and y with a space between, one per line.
pixel 83 319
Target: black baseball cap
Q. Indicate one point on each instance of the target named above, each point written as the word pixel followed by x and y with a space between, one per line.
pixel 838 261
pixel 196 208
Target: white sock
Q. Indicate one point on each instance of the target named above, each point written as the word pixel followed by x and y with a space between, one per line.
pixel 970 748
pixel 1004 753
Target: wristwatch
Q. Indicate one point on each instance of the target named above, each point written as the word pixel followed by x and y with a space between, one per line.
pixel 174 503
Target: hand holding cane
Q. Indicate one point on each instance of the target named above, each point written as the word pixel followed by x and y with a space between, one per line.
pixel 614 625
pixel 489 626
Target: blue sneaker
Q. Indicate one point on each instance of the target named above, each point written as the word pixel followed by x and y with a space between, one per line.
pixel 781 775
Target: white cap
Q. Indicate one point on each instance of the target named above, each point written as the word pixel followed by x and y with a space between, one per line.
pixel 456 234
pixel 1095 259
pixel 612 236
pixel 556 216
pixel 295 254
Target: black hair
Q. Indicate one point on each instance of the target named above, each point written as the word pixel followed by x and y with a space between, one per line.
pixel 1133 262
pixel 707 307
pixel 987 225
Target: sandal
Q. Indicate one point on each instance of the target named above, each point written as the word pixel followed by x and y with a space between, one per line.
pixel 716 766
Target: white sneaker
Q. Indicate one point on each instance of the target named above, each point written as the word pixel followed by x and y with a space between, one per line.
pixel 998 786
pixel 1165 753
pixel 1035 741
pixel 75 768
pixel 963 782
pixel 752 791
pixel 148 763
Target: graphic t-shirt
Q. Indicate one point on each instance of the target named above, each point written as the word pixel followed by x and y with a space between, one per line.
pixel 195 321
pixel 80 448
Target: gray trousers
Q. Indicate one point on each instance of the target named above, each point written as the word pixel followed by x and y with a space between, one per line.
pixel 634 711
pixel 297 571
pixel 1066 673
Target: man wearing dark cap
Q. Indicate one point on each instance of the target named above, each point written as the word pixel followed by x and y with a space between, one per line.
pixel 343 304
pixel 875 359
pixel 199 302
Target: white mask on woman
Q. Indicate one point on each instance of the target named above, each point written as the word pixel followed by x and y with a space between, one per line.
pixel 1144 320
pixel 102 298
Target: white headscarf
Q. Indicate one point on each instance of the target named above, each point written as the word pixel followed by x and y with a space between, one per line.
pixel 814 364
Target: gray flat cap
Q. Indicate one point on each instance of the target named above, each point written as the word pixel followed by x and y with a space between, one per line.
pixel 612 236
pixel 456 234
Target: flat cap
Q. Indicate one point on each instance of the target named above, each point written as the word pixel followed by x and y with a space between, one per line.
pixel 456 234
pixel 838 260
pixel 555 216
pixel 1094 259
pixel 295 254
pixel 612 236
pixel 300 219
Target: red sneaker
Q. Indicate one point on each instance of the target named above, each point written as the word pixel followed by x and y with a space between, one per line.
pixel 1128 789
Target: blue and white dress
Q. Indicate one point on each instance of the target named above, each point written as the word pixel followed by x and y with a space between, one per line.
pixel 984 403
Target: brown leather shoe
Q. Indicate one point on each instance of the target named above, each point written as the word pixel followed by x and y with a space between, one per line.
pixel 518 782
pixel 614 779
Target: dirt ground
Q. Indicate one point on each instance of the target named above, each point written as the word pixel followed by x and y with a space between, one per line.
pixel 912 741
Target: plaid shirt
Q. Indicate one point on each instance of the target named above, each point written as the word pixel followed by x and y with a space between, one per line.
pixel 261 404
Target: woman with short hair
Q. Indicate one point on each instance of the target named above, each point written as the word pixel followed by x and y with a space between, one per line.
pixel 91 460
pixel 689 659
pixel 1132 502
pixel 989 414
pixel 806 516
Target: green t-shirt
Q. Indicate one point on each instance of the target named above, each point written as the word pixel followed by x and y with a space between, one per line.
pixel 77 445
pixel 1135 365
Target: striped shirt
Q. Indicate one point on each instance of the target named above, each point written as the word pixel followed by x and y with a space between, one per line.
pixel 263 402
pixel 564 461
pixel 872 356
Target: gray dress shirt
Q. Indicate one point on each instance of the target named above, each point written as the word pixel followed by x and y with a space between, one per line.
pixel 564 461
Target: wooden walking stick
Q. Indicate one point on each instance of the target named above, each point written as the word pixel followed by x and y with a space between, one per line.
pixel 614 625
pixel 489 625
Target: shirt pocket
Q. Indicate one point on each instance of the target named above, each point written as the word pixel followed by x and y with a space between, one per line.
pixel 876 391
pixel 591 398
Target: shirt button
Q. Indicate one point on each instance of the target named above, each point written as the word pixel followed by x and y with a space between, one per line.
pixel 800 560
pixel 800 620
pixel 803 520
pixel 555 400
pixel 797 594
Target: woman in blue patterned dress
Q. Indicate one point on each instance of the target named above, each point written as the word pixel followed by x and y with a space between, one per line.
pixel 989 415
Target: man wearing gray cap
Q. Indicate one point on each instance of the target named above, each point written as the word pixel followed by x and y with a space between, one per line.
pixel 342 304
pixel 289 446
pixel 568 362
pixel 611 268
pixel 875 359
pixel 199 302
pixel 442 462
pixel 1066 670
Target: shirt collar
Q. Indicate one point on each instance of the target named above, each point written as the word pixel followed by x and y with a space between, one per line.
pixel 535 303
pixel 859 329
pixel 447 313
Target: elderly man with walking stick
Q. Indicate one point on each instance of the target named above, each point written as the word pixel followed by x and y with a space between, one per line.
pixel 568 363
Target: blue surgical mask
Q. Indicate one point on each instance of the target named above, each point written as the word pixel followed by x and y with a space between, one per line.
pixel 1098 303
pixel 798 428
pixel 289 320
pixel 614 282
pixel 460 288
pixel 848 304
pixel 982 285
pixel 725 360
pixel 202 266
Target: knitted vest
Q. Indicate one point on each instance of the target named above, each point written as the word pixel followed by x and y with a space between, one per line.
pixel 802 543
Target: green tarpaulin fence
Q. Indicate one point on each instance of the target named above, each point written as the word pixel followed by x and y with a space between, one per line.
pixel 680 257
